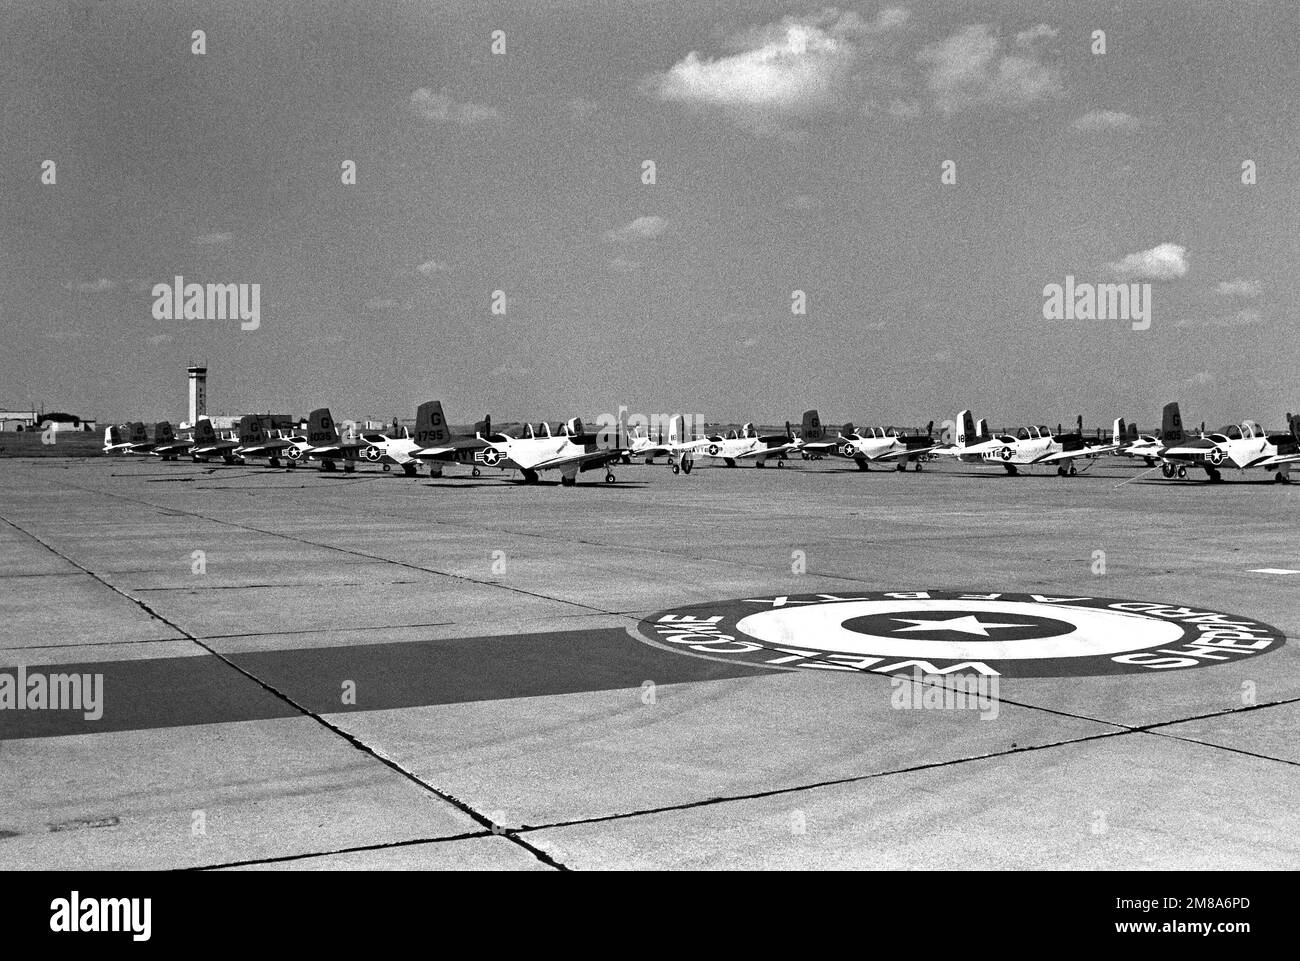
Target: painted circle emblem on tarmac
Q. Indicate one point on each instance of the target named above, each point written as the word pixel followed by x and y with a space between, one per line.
pixel 1000 634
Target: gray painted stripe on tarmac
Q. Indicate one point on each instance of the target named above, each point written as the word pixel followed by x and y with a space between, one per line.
pixel 182 691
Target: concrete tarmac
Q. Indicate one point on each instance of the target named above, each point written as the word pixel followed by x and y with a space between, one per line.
pixel 333 671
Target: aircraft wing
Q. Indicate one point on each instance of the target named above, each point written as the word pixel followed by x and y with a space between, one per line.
pixel 1082 452
pixel 451 451
pixel 819 446
pixel 268 449
pixel 765 452
pixel 900 454
pixel 336 451
pixel 1276 460
pixel 589 460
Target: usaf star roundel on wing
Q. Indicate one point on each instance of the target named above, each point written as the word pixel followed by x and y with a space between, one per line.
pixel 1013 635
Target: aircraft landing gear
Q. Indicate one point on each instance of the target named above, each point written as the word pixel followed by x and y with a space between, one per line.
pixel 1011 469
pixel 780 462
pixel 409 470
pixel 327 466
pixel 862 464
pixel 1182 473
pixel 1281 477
pixel 349 467
pixel 918 467
pixel 387 468
pixel 568 480
pixel 530 476
pixel 273 462
pixel 902 466
pixel 1214 475
pixel 676 469
pixel 609 478
pixel 475 472
pixel 1168 470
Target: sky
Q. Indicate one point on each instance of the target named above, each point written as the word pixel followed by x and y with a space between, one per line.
pixel 796 148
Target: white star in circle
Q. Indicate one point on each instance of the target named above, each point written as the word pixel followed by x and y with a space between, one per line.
pixel 968 624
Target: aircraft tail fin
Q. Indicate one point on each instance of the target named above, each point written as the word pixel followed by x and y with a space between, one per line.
pixel 112 436
pixel 812 425
pixel 1293 422
pixel 431 424
pixel 965 429
pixel 162 432
pixel 250 430
pixel 848 429
pixel 1171 425
pixel 929 429
pixel 139 433
pixel 1118 434
pixel 677 430
pixel 203 432
pixel 320 428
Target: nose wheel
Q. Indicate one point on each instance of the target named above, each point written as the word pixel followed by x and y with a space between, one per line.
pixel 609 478
pixel 475 472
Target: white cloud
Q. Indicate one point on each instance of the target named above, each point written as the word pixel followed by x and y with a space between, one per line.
pixel 381 303
pixel 797 66
pixel 431 267
pixel 1162 262
pixel 1095 120
pixel 643 228
pixel 1203 379
pixel 213 238
pixel 100 286
pixel 974 68
pixel 1238 288
pixel 440 108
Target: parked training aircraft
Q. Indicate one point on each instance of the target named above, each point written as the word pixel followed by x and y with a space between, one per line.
pixel 571 452
pixel 207 444
pixel 325 445
pixel 679 449
pixel 113 442
pixel 166 444
pixel 1133 444
pixel 1029 446
pixel 811 441
pixel 1242 447
pixel 748 445
pixel 255 443
pixel 884 444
